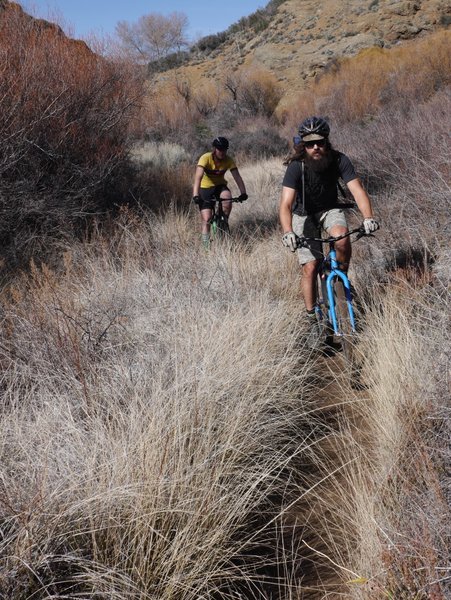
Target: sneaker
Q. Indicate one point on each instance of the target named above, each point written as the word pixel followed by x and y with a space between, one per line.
pixel 205 238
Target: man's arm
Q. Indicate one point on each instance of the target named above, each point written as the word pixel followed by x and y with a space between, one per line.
pixel 238 180
pixel 287 199
pixel 197 179
pixel 361 197
pixel 364 203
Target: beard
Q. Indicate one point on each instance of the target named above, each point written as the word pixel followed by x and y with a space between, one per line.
pixel 319 164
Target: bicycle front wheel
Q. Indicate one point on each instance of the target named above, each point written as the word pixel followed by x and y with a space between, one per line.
pixel 322 311
pixel 223 228
pixel 214 227
pixel 346 333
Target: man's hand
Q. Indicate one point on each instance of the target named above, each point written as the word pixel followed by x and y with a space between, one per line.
pixel 242 197
pixel 370 226
pixel 196 199
pixel 289 241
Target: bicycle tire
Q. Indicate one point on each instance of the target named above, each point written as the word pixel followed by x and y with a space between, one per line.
pixel 214 227
pixel 346 335
pixel 322 312
pixel 223 229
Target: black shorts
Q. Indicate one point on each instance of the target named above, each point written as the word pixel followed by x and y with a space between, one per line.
pixel 208 196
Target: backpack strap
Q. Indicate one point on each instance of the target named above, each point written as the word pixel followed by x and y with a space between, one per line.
pixel 340 187
pixel 303 186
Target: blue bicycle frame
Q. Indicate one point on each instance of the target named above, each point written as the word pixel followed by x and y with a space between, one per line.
pixel 330 277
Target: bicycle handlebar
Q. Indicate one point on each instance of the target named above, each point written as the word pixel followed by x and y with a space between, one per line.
pixel 302 241
pixel 238 199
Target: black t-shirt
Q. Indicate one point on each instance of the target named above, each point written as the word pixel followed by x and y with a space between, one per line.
pixel 320 188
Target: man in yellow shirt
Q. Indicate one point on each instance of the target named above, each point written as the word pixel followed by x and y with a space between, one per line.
pixel 210 184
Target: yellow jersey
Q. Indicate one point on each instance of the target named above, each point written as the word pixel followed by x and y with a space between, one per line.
pixel 214 170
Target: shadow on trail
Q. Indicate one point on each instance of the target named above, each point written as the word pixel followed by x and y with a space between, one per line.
pixel 254 225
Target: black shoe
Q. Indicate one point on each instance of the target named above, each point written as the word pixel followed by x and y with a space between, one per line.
pixel 314 335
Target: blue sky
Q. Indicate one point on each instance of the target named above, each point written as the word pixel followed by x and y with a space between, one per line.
pixel 80 18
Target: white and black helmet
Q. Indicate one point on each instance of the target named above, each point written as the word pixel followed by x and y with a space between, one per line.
pixel 314 128
pixel 221 143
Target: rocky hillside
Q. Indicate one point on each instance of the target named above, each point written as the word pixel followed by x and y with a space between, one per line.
pixel 304 36
pixel 15 10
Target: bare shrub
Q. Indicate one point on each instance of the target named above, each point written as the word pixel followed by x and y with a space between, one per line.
pixel 156 188
pixel 64 122
pixel 257 139
pixel 166 114
pixel 153 36
pixel 253 92
pixel 404 158
pixel 207 98
pixel 260 93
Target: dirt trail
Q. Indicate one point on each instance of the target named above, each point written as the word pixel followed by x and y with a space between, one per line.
pixel 321 515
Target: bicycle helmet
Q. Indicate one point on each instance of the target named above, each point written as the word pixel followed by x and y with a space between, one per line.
pixel 314 128
pixel 221 143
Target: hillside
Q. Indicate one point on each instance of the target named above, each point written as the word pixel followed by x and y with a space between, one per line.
pixel 303 37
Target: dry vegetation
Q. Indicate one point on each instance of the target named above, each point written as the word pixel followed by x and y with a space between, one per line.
pixel 360 87
pixel 64 124
pixel 165 433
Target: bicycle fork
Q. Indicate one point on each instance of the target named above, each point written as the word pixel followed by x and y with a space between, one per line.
pixel 331 298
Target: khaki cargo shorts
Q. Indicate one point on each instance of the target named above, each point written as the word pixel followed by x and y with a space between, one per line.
pixel 311 226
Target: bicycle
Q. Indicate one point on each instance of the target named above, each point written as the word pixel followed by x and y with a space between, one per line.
pixel 219 221
pixel 335 303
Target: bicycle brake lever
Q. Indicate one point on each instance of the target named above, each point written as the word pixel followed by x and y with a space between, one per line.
pixel 301 242
pixel 361 233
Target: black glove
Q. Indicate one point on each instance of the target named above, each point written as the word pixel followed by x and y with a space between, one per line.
pixel 196 199
pixel 243 197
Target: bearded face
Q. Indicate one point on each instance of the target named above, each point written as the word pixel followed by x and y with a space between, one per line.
pixel 318 159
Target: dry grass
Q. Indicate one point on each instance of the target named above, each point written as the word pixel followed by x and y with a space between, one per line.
pixel 165 434
pixel 164 155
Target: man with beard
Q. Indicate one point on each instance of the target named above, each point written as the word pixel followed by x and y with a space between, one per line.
pixel 309 195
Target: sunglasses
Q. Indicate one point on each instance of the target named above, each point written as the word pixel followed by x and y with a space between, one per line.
pixel 298 140
pixel 312 143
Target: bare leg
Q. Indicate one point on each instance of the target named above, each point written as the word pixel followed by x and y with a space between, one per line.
pixel 308 284
pixel 343 247
pixel 205 216
pixel 226 196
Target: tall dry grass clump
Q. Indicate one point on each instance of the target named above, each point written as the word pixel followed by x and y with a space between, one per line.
pixel 402 497
pixel 64 120
pixel 141 430
pixel 167 434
